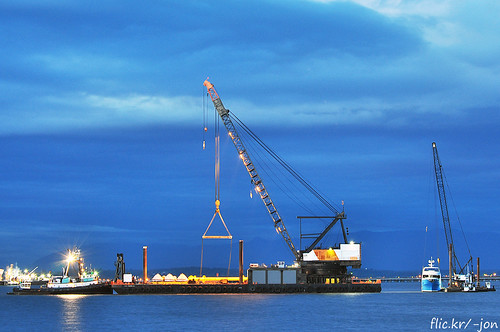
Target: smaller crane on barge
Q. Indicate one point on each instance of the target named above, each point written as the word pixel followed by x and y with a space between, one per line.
pixel 461 277
pixel 318 265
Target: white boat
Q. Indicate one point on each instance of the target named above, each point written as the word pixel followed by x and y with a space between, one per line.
pixel 431 278
pixel 25 285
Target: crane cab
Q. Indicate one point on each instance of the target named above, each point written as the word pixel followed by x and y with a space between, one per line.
pixel 320 265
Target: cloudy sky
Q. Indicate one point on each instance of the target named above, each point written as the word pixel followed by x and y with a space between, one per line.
pixel 102 117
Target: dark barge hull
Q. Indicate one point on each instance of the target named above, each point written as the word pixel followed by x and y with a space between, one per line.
pixel 84 290
pixel 128 289
pixel 477 290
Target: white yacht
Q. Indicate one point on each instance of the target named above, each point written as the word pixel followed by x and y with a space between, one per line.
pixel 431 278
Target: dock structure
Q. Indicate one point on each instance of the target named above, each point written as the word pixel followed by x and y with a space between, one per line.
pixel 400 279
pixel 418 279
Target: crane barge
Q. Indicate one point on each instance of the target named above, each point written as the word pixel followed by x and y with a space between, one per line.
pixel 317 265
pixel 316 269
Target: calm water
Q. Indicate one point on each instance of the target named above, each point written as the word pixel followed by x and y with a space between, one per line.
pixel 400 307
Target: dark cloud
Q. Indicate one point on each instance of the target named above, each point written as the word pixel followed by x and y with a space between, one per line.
pixel 168 40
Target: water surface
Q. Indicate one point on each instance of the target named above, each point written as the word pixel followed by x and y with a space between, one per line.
pixel 400 307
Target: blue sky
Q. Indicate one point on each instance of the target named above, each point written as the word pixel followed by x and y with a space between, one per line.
pixel 101 112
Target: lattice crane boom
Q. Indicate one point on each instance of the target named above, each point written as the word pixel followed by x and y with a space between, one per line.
pixel 438 169
pixel 250 167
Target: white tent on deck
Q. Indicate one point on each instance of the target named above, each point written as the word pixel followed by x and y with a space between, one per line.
pixel 182 277
pixel 170 277
pixel 157 277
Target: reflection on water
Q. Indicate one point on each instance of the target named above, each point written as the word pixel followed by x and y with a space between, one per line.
pixel 71 317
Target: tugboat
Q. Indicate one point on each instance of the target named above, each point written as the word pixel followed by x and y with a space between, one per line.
pixel 431 278
pixel 84 282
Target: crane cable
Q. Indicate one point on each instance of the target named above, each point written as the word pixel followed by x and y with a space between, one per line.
pixel 286 165
pixel 456 213
pixel 217 184
pixel 277 180
pixel 289 193
pixel 268 170
pixel 205 111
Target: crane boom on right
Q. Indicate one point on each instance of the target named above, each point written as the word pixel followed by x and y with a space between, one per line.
pixel 450 244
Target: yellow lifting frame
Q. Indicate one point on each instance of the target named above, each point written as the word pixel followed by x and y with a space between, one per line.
pixel 217 205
